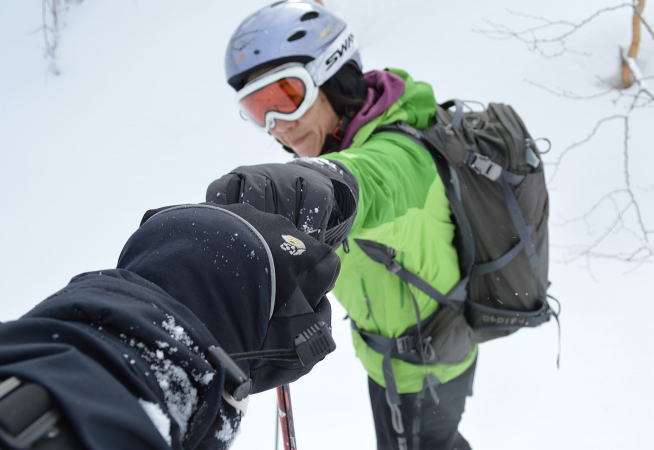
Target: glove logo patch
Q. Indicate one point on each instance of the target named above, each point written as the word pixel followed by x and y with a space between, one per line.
pixel 293 245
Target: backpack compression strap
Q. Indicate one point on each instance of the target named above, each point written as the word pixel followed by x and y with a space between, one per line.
pixel 482 165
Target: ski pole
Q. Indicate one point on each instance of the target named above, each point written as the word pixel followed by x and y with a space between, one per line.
pixel 285 411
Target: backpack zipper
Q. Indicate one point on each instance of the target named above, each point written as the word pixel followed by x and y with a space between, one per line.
pixel 366 299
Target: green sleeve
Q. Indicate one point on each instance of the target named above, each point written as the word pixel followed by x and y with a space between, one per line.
pixel 394 175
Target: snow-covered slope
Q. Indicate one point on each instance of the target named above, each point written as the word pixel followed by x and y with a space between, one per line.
pixel 141 117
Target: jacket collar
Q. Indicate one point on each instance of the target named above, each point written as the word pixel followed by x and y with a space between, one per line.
pixel 384 89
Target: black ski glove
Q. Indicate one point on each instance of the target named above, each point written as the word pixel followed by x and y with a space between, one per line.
pixel 317 195
pixel 305 271
pixel 257 283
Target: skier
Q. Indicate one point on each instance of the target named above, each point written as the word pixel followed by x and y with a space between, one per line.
pixel 136 357
pixel 298 76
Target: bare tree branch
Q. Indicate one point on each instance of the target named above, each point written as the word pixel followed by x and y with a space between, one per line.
pixel 533 36
pixel 627 178
pixel 561 92
pixel 52 23
pixel 646 24
pixel 621 207
pixel 50 20
pixel 624 204
pixel 568 149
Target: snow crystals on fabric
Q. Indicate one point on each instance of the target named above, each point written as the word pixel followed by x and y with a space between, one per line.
pixel 158 418
pixel 176 384
pixel 175 331
pixel 204 378
pixel 321 162
pixel 180 395
pixel 229 428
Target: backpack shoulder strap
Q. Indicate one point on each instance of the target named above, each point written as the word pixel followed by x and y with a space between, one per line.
pixel 464 238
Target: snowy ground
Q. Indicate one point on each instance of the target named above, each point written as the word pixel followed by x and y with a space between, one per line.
pixel 140 117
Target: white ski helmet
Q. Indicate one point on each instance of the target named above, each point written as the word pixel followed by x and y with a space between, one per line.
pixel 290 31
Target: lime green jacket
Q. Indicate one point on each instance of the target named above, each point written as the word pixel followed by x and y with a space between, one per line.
pixel 402 204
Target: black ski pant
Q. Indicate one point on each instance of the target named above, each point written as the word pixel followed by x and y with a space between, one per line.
pixel 426 425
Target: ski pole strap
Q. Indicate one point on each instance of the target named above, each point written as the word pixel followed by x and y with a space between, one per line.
pixel 310 346
pixel 385 255
pixel 270 355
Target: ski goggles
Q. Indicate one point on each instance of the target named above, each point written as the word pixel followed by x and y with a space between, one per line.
pixel 286 92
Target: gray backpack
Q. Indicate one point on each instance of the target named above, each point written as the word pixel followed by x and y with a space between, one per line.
pixel 494 180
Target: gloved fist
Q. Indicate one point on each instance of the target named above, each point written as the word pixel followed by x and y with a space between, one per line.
pixel 255 281
pixel 316 195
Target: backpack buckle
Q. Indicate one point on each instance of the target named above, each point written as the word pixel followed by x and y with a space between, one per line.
pixel 393 266
pixel 483 165
pixel 404 344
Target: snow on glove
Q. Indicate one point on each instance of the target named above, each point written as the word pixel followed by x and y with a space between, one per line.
pixel 317 195
pixel 305 271
pixel 257 283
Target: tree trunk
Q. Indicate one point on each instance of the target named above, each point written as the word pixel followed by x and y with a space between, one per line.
pixel 627 75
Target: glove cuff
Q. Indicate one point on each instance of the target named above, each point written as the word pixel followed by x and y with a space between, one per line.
pixel 346 196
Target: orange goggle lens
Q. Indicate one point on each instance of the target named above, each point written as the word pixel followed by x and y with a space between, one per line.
pixel 284 96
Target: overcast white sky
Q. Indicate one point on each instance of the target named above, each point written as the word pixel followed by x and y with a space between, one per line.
pixel 141 117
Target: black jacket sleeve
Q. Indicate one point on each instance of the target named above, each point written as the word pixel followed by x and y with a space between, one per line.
pixel 124 352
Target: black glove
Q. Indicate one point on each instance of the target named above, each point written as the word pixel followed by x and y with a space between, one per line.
pixel 317 195
pixel 255 281
pixel 305 271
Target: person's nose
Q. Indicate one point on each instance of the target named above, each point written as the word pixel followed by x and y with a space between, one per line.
pixel 283 126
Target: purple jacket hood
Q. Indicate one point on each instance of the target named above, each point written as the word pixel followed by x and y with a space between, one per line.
pixel 384 89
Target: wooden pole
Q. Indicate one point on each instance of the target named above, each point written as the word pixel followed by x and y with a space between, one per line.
pixel 626 74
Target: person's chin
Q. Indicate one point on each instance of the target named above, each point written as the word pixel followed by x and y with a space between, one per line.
pixel 307 148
